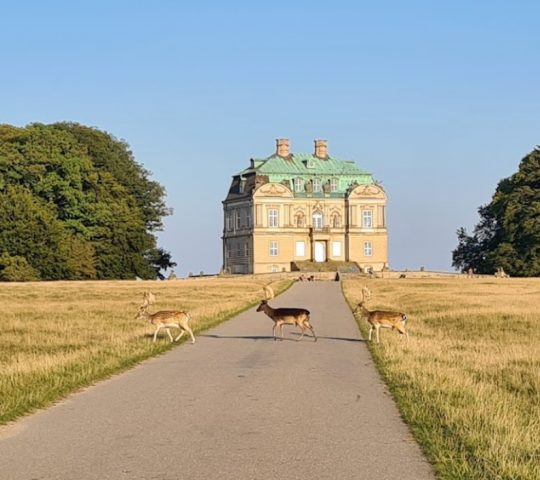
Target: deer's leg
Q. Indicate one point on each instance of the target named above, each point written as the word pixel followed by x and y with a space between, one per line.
pixel 307 324
pixel 303 331
pixel 156 332
pixel 370 332
pixel 281 329
pixel 274 331
pixel 169 332
pixel 191 333
pixel 179 336
pixel 402 331
pixel 377 328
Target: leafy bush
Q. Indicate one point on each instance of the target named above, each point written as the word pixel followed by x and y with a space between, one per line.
pixel 16 269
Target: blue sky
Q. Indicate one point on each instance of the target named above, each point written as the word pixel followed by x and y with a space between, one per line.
pixel 438 99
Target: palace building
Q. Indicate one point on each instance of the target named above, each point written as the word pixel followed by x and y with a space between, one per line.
pixel 292 208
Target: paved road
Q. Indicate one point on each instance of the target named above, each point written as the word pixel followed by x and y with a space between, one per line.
pixel 236 405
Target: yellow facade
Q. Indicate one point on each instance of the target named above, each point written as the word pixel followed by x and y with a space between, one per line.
pixel 268 226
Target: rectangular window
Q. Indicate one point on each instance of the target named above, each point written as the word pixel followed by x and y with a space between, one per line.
pixel 300 249
pixel 238 223
pixel 248 218
pixel 237 249
pixel 298 185
pixel 246 249
pixel 368 249
pixel 336 249
pixel 333 185
pixel 228 252
pixel 229 221
pixel 272 218
pixel 316 185
pixel 274 249
pixel 367 219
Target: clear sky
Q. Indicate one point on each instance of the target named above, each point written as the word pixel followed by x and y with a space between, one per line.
pixel 439 100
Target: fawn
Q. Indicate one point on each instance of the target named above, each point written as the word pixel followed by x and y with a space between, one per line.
pixel 379 318
pixel 287 316
pixel 165 319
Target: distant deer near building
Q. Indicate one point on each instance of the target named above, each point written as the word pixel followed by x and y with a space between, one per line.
pixel 378 319
pixel 286 316
pixel 166 319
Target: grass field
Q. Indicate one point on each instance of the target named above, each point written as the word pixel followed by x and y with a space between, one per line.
pixel 57 337
pixel 468 382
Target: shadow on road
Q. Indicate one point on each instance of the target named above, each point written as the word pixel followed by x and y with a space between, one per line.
pixel 258 337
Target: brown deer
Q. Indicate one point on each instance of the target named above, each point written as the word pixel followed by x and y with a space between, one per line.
pixel 378 319
pixel 165 319
pixel 287 316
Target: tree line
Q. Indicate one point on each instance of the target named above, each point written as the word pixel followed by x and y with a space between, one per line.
pixel 75 205
pixel 508 233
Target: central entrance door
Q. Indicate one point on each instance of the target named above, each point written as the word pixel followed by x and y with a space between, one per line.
pixel 320 254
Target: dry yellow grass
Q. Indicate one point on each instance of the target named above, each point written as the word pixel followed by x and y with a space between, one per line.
pixel 58 337
pixel 468 382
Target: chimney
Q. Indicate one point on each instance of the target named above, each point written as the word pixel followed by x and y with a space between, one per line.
pixel 321 149
pixel 282 147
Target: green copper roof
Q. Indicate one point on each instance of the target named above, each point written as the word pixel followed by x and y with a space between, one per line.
pixel 303 164
pixel 305 174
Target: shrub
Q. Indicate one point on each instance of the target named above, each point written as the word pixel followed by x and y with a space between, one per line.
pixel 16 269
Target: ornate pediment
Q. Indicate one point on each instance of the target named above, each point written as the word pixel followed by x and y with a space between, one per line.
pixel 369 191
pixel 273 190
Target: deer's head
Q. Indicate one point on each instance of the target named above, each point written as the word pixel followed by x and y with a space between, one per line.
pixel 263 304
pixel 142 315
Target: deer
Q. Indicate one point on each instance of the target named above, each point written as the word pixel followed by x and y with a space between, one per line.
pixel 378 319
pixel 165 319
pixel 286 316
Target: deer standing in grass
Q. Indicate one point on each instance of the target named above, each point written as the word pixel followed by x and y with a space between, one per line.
pixel 286 316
pixel 166 319
pixel 378 319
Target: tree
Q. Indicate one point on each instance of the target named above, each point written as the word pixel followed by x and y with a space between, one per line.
pixel 508 234
pixel 100 205
pixel 29 229
pixel 160 260
pixel 114 156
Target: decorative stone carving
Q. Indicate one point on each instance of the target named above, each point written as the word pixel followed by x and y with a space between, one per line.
pixel 326 187
pixel 273 190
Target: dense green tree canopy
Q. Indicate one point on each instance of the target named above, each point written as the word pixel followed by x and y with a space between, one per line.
pixel 74 204
pixel 508 234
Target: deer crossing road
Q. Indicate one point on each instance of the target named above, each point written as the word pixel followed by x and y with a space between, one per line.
pixel 236 405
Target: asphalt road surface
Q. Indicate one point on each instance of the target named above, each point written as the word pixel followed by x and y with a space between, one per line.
pixel 236 405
